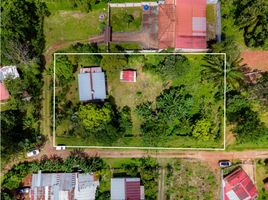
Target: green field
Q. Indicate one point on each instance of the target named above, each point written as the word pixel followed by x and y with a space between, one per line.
pixel 66 23
pixel 118 19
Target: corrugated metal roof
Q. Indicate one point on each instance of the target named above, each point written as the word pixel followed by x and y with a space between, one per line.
pixel 91 84
pixel 117 189
pixel 99 89
pixel 240 183
pixel 84 87
pixel 8 72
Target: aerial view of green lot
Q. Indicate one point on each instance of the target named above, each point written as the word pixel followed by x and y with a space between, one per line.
pixel 99 93
pixel 173 102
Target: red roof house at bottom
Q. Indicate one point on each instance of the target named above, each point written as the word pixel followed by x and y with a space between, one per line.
pixel 238 186
pixel 128 76
pixel 4 94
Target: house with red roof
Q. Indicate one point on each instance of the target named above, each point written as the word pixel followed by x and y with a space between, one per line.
pixel 7 72
pixel 238 186
pixel 4 94
pixel 128 75
pixel 182 24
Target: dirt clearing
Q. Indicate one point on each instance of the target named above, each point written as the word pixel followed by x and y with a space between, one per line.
pixel 256 59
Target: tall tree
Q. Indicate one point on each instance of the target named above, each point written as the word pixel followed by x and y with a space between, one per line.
pixel 252 17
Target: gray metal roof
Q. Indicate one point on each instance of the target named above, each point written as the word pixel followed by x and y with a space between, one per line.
pixel 84 87
pixel 91 86
pixel 118 189
pixel 99 85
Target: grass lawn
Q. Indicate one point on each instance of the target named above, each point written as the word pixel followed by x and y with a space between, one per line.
pixel 261 174
pixel 68 24
pixel 187 179
pixel 118 19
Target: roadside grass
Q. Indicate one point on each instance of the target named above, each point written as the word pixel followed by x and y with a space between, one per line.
pixel 118 19
pixel 69 24
pixel 46 102
pixel 114 47
pixel 135 141
pixel 187 179
pixel 261 174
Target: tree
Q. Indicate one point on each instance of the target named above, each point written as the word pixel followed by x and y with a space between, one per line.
pixel 248 124
pixel 213 70
pixel 252 17
pixel 95 117
pixel 259 91
pixel 203 130
pixel 22 29
pixel 113 62
pixel 63 69
pixel 128 18
pixel 125 120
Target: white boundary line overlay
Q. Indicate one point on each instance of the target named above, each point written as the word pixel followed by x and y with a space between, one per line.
pixel 143 148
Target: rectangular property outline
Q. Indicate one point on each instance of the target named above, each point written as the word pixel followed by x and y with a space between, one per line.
pixel 143 148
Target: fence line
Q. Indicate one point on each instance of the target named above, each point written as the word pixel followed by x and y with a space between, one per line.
pixel 125 5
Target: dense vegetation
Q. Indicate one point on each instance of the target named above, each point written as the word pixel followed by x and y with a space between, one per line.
pixel 246 20
pixel 242 97
pixel 189 180
pixel 22 42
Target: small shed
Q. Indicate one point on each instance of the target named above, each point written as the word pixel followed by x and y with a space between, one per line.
pixel 128 76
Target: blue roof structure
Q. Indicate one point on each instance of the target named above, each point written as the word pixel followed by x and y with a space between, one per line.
pixel 91 86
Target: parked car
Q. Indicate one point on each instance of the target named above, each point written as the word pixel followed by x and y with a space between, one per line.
pixel 32 153
pixel 23 190
pixel 225 163
pixel 60 147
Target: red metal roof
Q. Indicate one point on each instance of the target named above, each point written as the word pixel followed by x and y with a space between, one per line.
pixel 239 183
pixel 182 24
pixel 4 94
pixel 128 76
pixel 132 190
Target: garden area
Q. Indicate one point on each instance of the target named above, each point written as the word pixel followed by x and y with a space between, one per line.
pixel 166 107
pixel 262 178
pixel 126 19
pixel 188 179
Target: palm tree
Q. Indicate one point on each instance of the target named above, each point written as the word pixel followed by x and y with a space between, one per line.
pixel 214 67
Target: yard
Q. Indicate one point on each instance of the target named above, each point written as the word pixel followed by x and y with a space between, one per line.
pixel 188 179
pixel 126 19
pixel 147 89
pixel 69 24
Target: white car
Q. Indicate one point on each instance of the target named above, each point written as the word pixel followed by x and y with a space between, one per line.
pixel 33 153
pixel 60 147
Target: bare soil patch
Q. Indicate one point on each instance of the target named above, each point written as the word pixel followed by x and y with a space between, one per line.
pixel 256 59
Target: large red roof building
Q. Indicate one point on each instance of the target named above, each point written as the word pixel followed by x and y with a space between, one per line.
pixel 182 24
pixel 238 186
